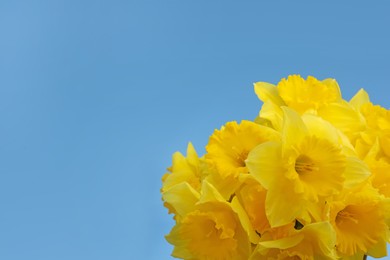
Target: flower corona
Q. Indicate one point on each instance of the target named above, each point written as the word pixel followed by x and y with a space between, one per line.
pixel 308 178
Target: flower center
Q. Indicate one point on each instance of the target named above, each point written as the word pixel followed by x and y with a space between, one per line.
pixel 304 165
pixel 241 157
pixel 345 216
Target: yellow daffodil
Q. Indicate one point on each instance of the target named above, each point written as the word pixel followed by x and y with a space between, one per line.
pixel 300 94
pixel 301 167
pixel 322 98
pixel 212 230
pixel 361 121
pixel 309 178
pixel 181 185
pixel 184 169
pixel 359 219
pixel 310 94
pixel 228 149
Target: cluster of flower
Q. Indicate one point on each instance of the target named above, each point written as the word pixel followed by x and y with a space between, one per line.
pixel 309 178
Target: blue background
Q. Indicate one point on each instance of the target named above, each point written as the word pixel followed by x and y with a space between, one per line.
pixel 95 96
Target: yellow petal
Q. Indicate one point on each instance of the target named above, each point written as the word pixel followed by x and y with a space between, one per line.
pixel 333 89
pixel 244 219
pixel 268 92
pixel 273 114
pixel 210 193
pixel 360 98
pixel 357 256
pixel 225 185
pixel 294 130
pixel 378 250
pixel 384 140
pixel 380 179
pixel 251 197
pixel 283 205
pixel 182 197
pixel 184 169
pixel 263 163
pixel 192 156
pixel 179 251
pixel 283 243
pixel 323 129
pixel 356 172
pixel 344 117
pixel 321 237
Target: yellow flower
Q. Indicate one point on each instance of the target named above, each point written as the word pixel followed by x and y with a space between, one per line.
pixel 346 116
pixel 181 186
pixel 300 94
pixel 362 122
pixel 211 230
pixel 228 149
pixel 180 199
pixel 303 95
pixel 309 178
pixel 184 170
pixel 306 164
pixel 313 241
pixel 359 218
pixel 321 98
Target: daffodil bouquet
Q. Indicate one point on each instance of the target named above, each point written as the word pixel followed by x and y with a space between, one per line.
pixel 309 178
